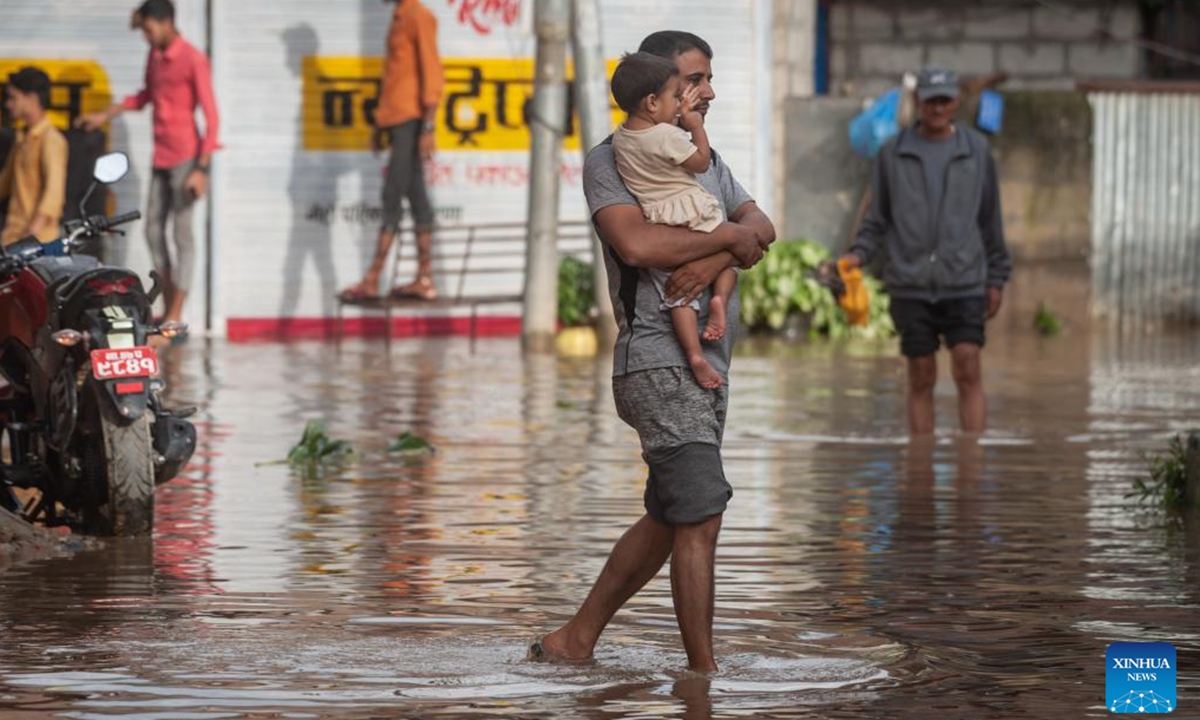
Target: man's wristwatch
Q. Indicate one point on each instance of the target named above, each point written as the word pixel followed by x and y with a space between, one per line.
pixel 428 127
pixel 201 168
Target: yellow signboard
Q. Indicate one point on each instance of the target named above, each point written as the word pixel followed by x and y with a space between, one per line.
pixel 485 105
pixel 77 87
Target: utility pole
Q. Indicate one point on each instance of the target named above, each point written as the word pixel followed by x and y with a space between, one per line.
pixel 547 128
pixel 591 94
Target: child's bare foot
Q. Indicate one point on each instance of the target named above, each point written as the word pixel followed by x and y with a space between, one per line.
pixel 706 376
pixel 715 328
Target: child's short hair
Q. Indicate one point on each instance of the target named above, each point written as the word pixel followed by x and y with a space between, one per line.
pixel 638 75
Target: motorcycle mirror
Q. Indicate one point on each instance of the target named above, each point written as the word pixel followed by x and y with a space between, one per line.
pixel 111 167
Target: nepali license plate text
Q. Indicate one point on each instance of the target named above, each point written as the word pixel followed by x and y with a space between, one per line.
pixel 125 363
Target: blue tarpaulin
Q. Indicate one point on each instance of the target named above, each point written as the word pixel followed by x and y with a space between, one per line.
pixel 991 112
pixel 871 128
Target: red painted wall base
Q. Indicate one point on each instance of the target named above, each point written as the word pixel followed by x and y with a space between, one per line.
pixel 326 328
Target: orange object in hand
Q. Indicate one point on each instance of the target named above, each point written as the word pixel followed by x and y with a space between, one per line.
pixel 854 302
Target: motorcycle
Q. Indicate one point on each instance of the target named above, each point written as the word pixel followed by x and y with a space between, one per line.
pixel 82 411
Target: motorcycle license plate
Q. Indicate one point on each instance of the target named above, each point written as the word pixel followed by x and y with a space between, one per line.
pixel 137 362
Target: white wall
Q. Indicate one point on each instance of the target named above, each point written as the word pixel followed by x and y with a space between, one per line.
pixel 99 30
pixel 273 258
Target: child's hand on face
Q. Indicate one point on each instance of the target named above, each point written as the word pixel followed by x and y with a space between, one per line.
pixel 689 118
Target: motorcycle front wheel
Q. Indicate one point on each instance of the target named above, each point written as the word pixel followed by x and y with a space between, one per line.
pixel 123 452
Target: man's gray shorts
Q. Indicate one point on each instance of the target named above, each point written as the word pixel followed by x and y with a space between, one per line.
pixel 680 425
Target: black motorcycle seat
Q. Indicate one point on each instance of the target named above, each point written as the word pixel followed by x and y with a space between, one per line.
pixel 52 268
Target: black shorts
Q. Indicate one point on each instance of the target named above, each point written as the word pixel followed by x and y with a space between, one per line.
pixel 922 324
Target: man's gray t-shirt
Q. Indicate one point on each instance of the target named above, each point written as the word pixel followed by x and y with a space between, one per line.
pixel 935 157
pixel 646 338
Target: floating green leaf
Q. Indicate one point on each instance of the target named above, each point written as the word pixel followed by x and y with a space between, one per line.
pixel 1046 322
pixel 316 447
pixel 409 443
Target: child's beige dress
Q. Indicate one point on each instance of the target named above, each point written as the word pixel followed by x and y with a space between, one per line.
pixel 650 163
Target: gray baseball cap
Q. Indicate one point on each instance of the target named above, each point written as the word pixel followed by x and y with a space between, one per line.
pixel 935 82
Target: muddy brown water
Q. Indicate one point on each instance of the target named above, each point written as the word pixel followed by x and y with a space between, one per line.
pixel 859 576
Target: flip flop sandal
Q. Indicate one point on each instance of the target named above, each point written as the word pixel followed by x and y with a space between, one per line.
pixel 419 289
pixel 356 293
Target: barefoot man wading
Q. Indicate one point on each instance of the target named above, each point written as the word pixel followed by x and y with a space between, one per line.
pixel 680 423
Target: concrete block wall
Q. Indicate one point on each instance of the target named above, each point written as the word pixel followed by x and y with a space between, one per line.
pixel 1043 156
pixel 1040 45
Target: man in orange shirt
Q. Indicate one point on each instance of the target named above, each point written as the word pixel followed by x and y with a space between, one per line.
pixel 34 178
pixel 408 104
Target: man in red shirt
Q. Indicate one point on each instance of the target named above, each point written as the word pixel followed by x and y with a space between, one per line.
pixel 409 98
pixel 178 79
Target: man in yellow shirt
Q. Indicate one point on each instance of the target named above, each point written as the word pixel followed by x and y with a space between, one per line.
pixel 34 178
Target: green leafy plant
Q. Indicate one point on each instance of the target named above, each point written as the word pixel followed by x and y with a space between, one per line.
pixel 1167 479
pixel 1046 322
pixel 782 286
pixel 576 292
pixel 316 447
pixel 409 443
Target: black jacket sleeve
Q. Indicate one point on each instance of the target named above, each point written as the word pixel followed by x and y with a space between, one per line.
pixel 878 218
pixel 991 227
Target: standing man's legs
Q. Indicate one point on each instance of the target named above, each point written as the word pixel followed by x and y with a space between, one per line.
pixel 972 405
pixel 693 589
pixel 916 322
pixel 419 204
pixel 922 378
pixel 369 286
pixel 182 203
pixel 635 559
pixel 396 184
pixel 680 425
pixel 963 321
pixel 157 208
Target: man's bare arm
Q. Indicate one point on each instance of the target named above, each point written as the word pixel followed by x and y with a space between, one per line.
pixel 689 280
pixel 646 245
pixel 748 214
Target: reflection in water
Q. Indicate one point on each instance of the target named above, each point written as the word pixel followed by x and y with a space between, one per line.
pixel 859 575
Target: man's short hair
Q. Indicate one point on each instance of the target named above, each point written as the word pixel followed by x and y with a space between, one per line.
pixel 153 9
pixel 672 43
pixel 640 74
pixel 33 81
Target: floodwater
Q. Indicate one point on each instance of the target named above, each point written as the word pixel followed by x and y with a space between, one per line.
pixel 858 576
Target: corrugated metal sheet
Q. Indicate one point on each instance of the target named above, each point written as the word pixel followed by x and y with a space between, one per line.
pixel 1146 207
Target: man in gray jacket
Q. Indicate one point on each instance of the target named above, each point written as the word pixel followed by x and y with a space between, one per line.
pixel 935 209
